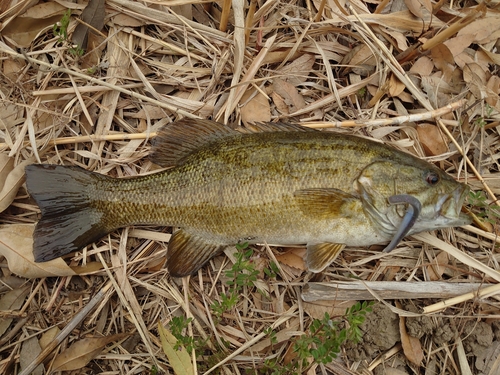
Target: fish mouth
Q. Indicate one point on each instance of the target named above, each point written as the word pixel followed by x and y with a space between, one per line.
pixel 449 206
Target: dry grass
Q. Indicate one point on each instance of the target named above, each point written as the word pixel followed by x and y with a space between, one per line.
pixel 360 67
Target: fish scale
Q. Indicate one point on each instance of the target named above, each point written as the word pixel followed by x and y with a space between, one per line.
pixel 284 184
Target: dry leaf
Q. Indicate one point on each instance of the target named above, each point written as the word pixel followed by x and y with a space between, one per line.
pixel 438 266
pixel 423 66
pixel 92 15
pixel 318 309
pixel 16 245
pixel 280 104
pixel 11 180
pixel 179 359
pixel 493 90
pixel 293 258
pixel 256 109
pixel 431 139
pixel 83 351
pixel 297 71
pixel 411 345
pixel 48 336
pixel 289 93
pixel 24 29
pixel 29 351
pixel 443 60
pixel 12 300
pixel 396 87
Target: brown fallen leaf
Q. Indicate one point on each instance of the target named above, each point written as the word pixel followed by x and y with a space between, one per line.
pixel 24 28
pixel 11 179
pixel 256 109
pixel 431 139
pixel 411 345
pixel 280 104
pixel 297 71
pixel 49 336
pixel 30 349
pixel 16 245
pixel 92 15
pixel 293 258
pixel 396 87
pixel 289 93
pixel 438 266
pixel 83 351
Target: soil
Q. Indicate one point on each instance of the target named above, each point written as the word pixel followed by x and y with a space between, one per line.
pixel 481 340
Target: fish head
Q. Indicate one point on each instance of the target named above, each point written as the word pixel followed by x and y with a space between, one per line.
pixel 388 189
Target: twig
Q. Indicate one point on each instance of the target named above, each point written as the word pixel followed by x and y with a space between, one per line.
pixel 481 293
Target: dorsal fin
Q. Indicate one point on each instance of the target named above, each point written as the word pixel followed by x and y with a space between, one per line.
pixel 177 140
pixel 267 127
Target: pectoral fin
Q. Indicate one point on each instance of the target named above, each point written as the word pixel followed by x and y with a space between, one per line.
pixel 188 252
pixel 325 202
pixel 321 255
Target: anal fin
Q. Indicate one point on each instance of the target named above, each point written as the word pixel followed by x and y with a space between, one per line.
pixel 188 252
pixel 321 255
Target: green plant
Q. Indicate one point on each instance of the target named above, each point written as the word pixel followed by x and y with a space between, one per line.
pixel 241 275
pixel 61 28
pixel 178 326
pixel 322 343
pixel 488 211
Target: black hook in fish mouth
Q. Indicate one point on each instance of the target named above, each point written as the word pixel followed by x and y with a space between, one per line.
pixel 411 215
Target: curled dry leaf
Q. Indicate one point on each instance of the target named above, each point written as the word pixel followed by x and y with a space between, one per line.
pixel 83 351
pixel 16 245
pixel 24 28
pixel 11 179
pixel 438 266
pixel 289 93
pixel 411 345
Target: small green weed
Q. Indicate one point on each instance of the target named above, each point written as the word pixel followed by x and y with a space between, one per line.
pixel 323 341
pixel 241 275
pixel 61 29
pixel 483 209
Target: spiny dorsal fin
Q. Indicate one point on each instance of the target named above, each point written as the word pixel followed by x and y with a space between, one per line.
pixel 267 127
pixel 321 255
pixel 177 140
pixel 188 252
pixel 324 202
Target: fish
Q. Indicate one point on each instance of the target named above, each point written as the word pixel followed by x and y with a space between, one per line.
pixel 271 183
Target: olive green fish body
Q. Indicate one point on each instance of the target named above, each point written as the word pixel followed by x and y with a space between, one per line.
pixel 276 185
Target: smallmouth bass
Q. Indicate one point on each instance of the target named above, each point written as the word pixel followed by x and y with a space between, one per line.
pixel 281 184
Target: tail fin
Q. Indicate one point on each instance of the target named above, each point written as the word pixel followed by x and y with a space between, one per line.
pixel 70 220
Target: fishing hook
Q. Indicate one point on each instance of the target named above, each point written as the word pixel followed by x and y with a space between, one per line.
pixel 411 215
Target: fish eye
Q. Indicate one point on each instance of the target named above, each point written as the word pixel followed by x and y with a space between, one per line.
pixel 432 178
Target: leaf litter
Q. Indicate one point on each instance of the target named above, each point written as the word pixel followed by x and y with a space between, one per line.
pixel 384 70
